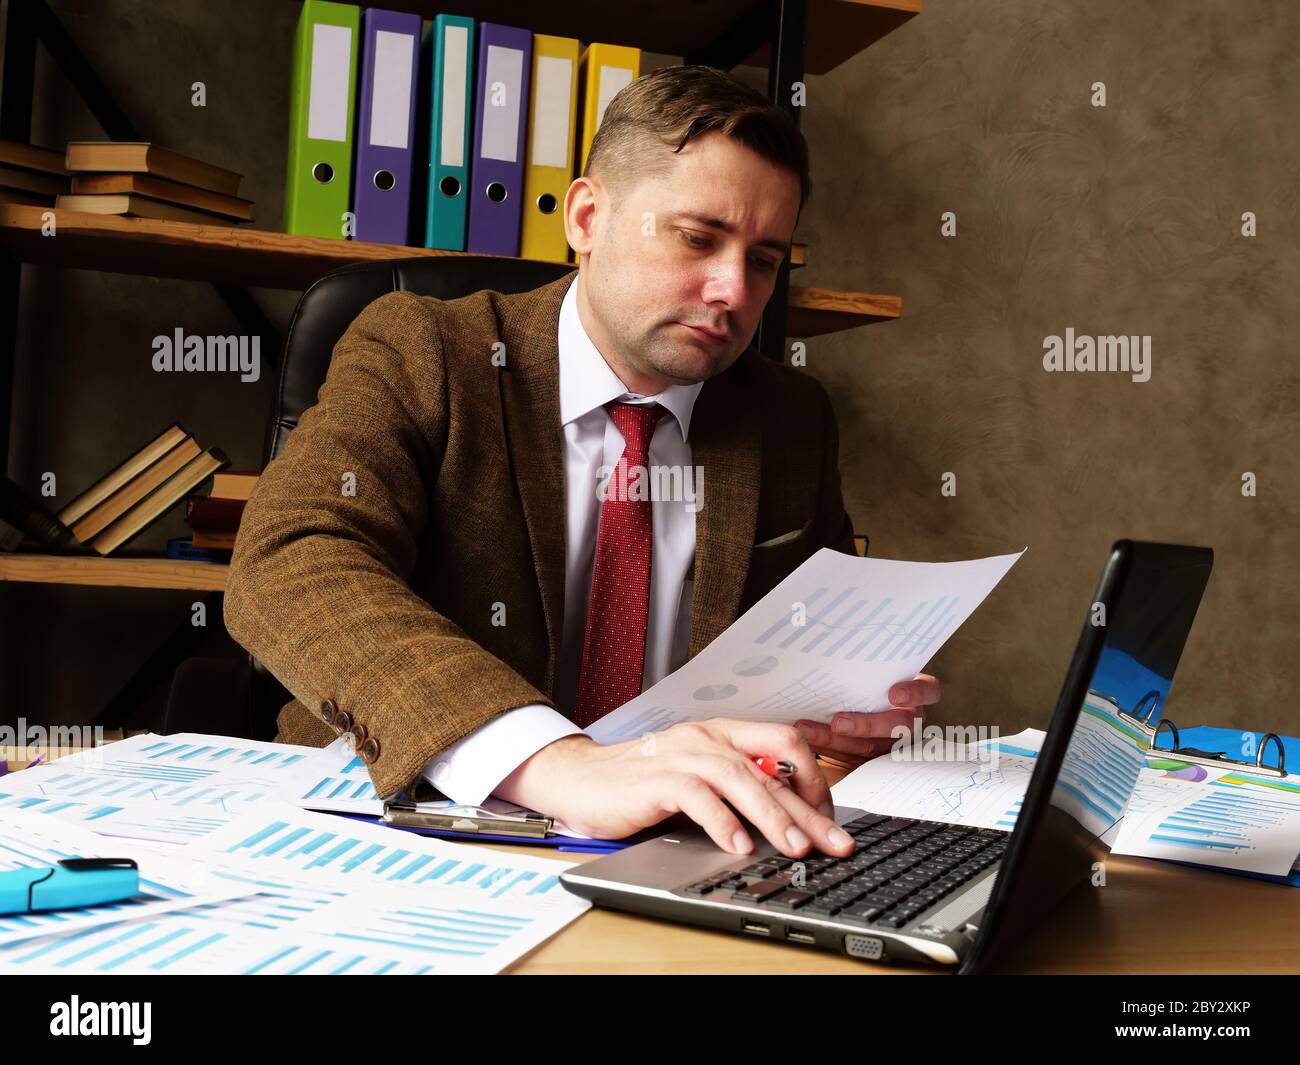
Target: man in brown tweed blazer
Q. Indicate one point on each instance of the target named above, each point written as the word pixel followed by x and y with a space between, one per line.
pixel 416 566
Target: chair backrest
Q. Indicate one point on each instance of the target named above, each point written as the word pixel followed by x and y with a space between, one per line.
pixel 331 304
pixel 319 321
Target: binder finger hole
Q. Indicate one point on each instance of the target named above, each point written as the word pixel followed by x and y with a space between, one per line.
pixel 496 192
pixel 450 186
pixel 323 172
pixel 546 203
pixel 384 180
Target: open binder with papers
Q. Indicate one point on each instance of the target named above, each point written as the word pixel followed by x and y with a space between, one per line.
pixel 1216 813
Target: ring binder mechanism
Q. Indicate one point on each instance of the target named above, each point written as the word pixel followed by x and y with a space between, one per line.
pixel 1219 758
pixel 1149 705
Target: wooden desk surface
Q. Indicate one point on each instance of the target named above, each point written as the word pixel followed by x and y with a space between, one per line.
pixel 1150 917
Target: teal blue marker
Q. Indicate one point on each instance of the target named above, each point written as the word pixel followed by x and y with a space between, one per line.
pixel 71 883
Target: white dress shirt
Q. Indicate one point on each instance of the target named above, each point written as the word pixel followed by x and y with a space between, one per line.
pixel 467 771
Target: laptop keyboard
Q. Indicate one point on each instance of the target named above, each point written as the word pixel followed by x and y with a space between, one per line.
pixel 899 869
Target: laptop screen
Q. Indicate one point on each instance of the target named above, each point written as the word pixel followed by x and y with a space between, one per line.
pixel 1105 718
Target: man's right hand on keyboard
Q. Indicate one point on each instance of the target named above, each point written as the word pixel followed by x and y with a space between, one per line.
pixel 612 791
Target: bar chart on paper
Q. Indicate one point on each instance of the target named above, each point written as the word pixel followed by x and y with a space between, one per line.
pixel 348 850
pixel 351 782
pixel 833 636
pixel 851 625
pixel 82 786
pixel 1102 765
pixel 447 901
pixel 29 841
pixel 251 767
pixel 333 778
pixel 171 789
pixel 263 933
pixel 327 895
pixel 258 936
pixel 152 788
pixel 139 819
pixel 1230 819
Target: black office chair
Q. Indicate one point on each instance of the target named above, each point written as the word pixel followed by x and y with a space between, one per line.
pixel 240 697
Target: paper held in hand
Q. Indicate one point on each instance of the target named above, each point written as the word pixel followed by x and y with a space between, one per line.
pixel 835 635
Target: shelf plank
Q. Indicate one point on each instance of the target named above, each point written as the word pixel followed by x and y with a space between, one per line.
pixel 240 255
pixel 813 312
pixel 141 572
pixel 837 30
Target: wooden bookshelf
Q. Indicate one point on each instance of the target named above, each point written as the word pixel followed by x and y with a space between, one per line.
pixel 241 255
pixel 837 30
pixel 140 571
pixel 197 251
pixel 134 572
pixel 127 572
pixel 820 34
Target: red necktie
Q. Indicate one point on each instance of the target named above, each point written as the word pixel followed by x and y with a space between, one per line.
pixel 613 650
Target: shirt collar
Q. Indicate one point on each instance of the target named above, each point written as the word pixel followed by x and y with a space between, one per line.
pixel 588 382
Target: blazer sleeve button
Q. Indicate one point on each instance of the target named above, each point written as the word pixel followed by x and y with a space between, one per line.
pixel 343 721
pixel 370 751
pixel 328 708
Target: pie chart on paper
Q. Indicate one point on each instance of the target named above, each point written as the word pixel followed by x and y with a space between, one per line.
pixel 1179 770
pixel 755 666
pixel 715 691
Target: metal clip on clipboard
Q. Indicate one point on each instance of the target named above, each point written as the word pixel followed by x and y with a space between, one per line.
pixel 1219 758
pixel 465 819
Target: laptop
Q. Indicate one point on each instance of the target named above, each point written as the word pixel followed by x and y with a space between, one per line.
pixel 933 892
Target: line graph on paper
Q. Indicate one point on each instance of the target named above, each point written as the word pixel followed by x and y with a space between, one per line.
pixel 850 626
pixel 983 794
pixel 810 693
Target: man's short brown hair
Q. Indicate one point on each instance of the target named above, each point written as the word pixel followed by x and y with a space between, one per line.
pixel 673 106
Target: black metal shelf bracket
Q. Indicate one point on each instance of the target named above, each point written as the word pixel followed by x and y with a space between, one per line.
pixel 782 25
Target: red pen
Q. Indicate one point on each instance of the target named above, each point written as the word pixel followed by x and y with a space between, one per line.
pixel 775 767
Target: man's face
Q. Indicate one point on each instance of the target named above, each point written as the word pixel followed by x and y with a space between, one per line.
pixel 658 262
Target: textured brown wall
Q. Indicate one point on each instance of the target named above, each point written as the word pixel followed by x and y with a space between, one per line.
pixel 1123 219
pixel 1116 220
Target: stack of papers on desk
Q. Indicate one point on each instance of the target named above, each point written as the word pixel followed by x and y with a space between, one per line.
pixel 242 881
pixel 1222 818
pixel 334 779
pixel 30 840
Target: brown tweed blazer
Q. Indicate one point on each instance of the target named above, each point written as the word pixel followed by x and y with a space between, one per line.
pixel 427 485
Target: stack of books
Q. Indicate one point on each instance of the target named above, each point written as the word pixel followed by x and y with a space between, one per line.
pixel 125 502
pixel 31 175
pixel 215 517
pixel 150 181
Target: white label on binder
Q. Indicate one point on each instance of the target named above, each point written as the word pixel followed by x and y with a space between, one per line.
pixel 331 62
pixel 501 124
pixel 611 80
pixel 455 78
pixel 390 103
pixel 551 111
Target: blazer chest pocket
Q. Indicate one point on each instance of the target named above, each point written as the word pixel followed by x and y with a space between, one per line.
pixel 780 554
pixel 784 538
